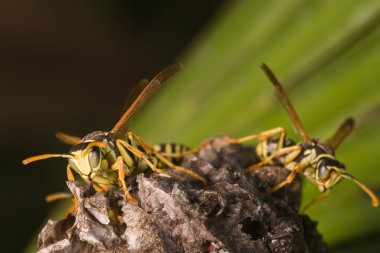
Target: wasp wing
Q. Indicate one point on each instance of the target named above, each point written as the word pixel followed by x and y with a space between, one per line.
pixel 68 139
pixel 343 131
pixel 148 90
pixel 133 94
pixel 284 99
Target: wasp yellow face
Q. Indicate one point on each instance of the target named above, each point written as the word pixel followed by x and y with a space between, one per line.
pixel 94 155
pixel 86 158
pixel 329 171
pixel 94 159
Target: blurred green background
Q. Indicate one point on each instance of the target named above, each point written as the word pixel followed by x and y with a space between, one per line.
pixel 326 53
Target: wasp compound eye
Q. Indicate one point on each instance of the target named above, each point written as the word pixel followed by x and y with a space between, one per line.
pixel 327 165
pixel 94 157
pixel 323 171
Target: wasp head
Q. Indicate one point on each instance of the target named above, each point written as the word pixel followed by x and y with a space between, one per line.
pixel 86 157
pixel 329 172
pixel 91 156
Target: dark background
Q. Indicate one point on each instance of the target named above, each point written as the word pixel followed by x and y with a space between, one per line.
pixel 68 66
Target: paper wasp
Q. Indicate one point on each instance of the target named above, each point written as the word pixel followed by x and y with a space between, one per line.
pixel 313 158
pixel 105 159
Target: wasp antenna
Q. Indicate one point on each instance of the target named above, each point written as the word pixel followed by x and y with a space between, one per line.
pixel 343 131
pixel 44 156
pixel 370 193
pixel 284 99
pixel 99 144
pixel 93 144
pixel 120 129
pixel 57 196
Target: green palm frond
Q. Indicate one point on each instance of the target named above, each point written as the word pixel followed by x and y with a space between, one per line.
pixel 326 53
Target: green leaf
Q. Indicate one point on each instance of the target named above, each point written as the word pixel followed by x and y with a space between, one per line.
pixel 327 54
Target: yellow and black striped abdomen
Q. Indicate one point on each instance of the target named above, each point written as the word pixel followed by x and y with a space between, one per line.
pixel 172 151
pixel 136 165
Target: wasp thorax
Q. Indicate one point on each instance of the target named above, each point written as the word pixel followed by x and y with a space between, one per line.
pixel 265 148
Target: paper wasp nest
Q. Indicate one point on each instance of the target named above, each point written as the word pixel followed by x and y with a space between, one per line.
pixel 233 213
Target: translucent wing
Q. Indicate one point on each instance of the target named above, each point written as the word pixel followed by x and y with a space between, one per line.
pixel 284 99
pixel 133 94
pixel 121 126
pixel 67 138
pixel 343 131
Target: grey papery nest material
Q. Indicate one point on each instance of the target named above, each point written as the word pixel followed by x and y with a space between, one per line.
pixel 233 213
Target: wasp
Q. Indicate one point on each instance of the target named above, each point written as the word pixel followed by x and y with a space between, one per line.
pixel 314 158
pixel 106 159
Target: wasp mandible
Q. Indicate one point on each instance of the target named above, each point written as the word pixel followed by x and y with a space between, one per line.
pixel 311 157
pixel 105 159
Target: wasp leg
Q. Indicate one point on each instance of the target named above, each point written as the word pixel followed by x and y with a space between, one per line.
pixel 120 143
pixel 190 151
pixel 165 161
pixel 57 196
pixel 315 200
pixel 262 135
pixel 171 150
pixel 122 181
pixel 187 152
pixel 288 180
pixel 276 153
pixel 74 208
pixel 63 195
pixel 69 172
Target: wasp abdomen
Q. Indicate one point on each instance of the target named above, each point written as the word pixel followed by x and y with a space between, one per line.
pixel 172 151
